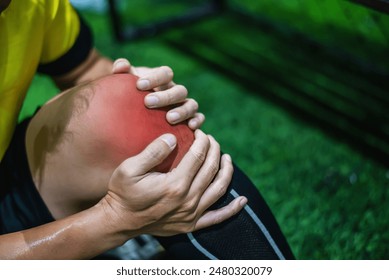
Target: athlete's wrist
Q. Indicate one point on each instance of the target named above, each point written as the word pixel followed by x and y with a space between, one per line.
pixel 113 226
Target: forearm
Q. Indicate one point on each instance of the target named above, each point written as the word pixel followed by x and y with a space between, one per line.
pixel 80 236
pixel 95 66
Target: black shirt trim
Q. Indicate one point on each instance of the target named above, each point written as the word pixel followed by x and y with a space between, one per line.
pixel 74 56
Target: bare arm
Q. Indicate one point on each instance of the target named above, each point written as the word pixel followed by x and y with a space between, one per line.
pixel 80 236
pixel 95 66
pixel 138 201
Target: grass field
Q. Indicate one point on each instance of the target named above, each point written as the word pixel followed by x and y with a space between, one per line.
pixel 288 114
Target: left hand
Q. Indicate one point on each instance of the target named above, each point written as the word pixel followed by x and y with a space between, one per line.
pixel 166 92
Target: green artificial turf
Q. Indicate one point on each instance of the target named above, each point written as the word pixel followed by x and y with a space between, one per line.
pixel 330 200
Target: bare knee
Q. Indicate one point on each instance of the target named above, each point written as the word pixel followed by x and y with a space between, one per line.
pixel 76 140
pixel 57 145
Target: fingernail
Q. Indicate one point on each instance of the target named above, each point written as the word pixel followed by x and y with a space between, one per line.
pixel 169 139
pixel 173 116
pixel 143 84
pixel 121 63
pixel 228 157
pixel 193 124
pixel 151 100
pixel 243 201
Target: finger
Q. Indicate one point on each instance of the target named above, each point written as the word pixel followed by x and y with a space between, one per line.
pixel 134 71
pixel 121 65
pixel 197 121
pixel 219 185
pixel 174 95
pixel 220 215
pixel 194 158
pixel 207 171
pixel 158 77
pixel 150 157
pixel 165 86
pixel 183 112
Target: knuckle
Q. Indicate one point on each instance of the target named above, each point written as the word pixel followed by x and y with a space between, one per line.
pixel 190 221
pixel 194 104
pixel 188 177
pixel 199 155
pixel 186 228
pixel 121 172
pixel 184 112
pixel 226 176
pixel 191 228
pixel 197 120
pixel 176 191
pixel 183 92
pixel 190 108
pixel 217 219
pixel 175 95
pixel 153 153
pixel 125 167
pixel 221 190
pixel 230 169
pixel 215 144
pixel 213 168
pixel 167 71
pixel 190 208
pixel 169 98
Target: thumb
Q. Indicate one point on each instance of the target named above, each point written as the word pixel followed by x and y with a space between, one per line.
pixel 151 156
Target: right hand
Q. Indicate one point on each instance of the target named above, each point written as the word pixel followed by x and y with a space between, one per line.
pixel 165 92
pixel 141 201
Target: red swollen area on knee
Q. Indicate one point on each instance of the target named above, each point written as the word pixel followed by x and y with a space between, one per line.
pixel 120 126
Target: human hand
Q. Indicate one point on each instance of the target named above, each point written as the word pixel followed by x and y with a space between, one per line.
pixel 142 201
pixel 166 93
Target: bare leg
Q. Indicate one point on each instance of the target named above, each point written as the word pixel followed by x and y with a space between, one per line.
pixel 76 141
pixel 56 146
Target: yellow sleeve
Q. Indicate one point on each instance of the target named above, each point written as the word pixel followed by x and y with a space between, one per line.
pixel 62 29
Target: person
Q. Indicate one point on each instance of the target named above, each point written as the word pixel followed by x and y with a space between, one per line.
pixel 54 40
pixel 104 132
pixel 49 36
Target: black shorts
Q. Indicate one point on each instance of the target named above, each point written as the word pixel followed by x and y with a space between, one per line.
pixel 21 206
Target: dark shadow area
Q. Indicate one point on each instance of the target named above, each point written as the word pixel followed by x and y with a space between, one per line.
pixel 325 86
pixel 125 32
pixel 380 5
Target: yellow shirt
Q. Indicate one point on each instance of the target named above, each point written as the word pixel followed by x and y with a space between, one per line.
pixel 32 32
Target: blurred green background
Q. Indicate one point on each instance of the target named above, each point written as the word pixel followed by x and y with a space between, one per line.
pixel 295 91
